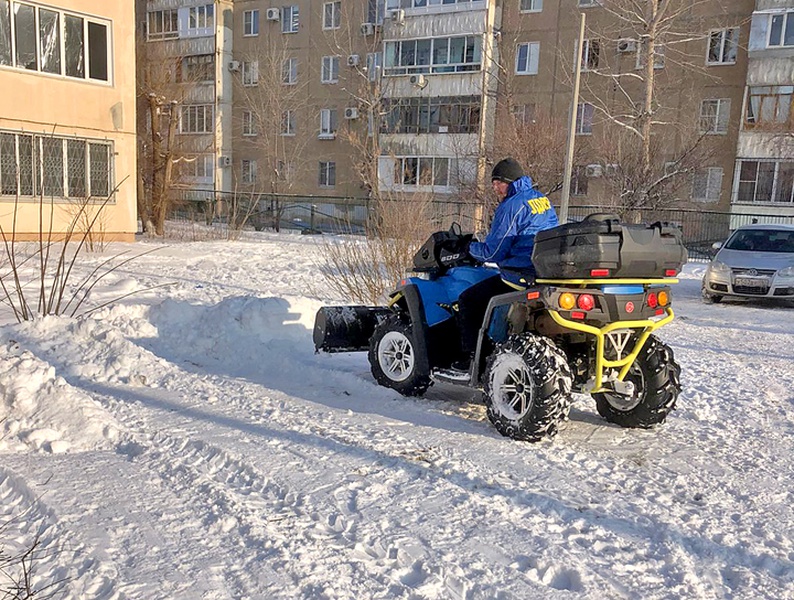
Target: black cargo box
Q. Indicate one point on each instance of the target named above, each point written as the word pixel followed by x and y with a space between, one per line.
pixel 600 242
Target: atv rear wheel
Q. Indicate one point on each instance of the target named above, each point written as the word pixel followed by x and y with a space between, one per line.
pixel 527 387
pixel 655 376
pixel 394 358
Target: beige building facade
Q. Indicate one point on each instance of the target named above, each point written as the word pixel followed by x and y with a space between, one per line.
pixel 67 116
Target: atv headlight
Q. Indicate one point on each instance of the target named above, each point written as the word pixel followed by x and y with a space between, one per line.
pixel 787 272
pixel 719 268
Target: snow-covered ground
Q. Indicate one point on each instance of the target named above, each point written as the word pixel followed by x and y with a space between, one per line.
pixel 187 443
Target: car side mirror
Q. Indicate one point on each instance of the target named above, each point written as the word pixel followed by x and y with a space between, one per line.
pixel 716 245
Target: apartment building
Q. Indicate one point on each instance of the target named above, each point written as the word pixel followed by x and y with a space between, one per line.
pixel 764 177
pixel 67 122
pixel 186 48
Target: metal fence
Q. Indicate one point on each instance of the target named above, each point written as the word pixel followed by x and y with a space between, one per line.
pixel 334 214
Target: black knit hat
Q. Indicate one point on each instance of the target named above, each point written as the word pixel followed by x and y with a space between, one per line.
pixel 507 170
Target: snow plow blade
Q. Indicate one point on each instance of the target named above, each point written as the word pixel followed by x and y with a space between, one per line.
pixel 346 328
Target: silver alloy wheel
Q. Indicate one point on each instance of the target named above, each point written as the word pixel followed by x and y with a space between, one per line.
pixel 396 356
pixel 512 389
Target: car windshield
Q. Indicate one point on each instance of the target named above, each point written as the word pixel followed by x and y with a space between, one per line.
pixel 762 240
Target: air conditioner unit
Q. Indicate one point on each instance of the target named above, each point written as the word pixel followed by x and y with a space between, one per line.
pixel 593 170
pixel 273 14
pixel 627 45
pixel 368 29
pixel 398 16
pixel 351 112
pixel 234 66
pixel 419 81
pixel 225 161
pixel 353 60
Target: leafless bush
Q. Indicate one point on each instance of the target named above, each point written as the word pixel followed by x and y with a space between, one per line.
pixel 18 579
pixel 364 269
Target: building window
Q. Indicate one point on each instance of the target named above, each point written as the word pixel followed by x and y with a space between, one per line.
pixel 249 123
pixel 524 114
pixel 770 107
pixel 723 45
pixel 440 114
pixel 332 15
pixel 289 71
pixel 766 182
pixel 53 41
pixel 327 174
pixel 290 19
pixel 330 69
pixel 591 51
pixel 162 25
pixel 250 73
pixel 433 55
pixel 584 118
pixel 328 123
pixel 658 55
pixel 715 114
pixel 707 184
pixel 288 122
pixel 527 56
pixel 374 65
pixel 248 171
pixel 587 3
pixel 251 22
pixel 34 165
pixel 201 20
pixel 199 68
pixel 531 5
pixel 285 170
pixel 196 118
pixel 781 30
pixel 579 181
pixel 427 171
pixel 199 168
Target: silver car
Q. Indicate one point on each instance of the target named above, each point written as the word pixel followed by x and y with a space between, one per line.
pixel 757 261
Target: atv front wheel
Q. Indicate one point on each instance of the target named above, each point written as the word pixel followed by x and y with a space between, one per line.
pixel 394 358
pixel 527 387
pixel 655 376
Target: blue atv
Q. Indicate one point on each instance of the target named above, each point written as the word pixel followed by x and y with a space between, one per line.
pixel 584 325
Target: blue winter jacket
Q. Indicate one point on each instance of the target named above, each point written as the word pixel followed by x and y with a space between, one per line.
pixel 517 219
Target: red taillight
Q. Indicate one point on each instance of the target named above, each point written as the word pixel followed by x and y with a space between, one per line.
pixel 599 272
pixel 402 282
pixel 577 315
pixel 533 295
pixel 653 301
pixel 660 311
pixel 670 273
pixel 585 302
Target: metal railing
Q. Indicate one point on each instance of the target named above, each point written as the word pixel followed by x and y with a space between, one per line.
pixel 336 214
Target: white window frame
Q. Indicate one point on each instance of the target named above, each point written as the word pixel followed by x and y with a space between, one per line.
pixel 290 19
pixel 581 121
pixel 659 56
pixel 775 182
pixel 530 6
pixel 200 20
pixel 588 3
pixel 171 33
pixel 288 123
pixel 329 72
pixel 719 119
pixel 203 113
pixel 771 94
pixel 249 123
pixel 788 21
pixel 532 61
pixel 733 32
pixel 399 164
pixel 327 174
pixel 289 67
pixel 248 171
pixel 374 65
pixel 335 14
pixel 202 167
pixel 328 123
pixel 250 73
pixel 585 56
pixel 579 181
pixel 713 184
pixel 251 23
pixel 433 55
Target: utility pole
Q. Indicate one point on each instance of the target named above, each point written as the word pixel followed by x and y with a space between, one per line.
pixel 566 185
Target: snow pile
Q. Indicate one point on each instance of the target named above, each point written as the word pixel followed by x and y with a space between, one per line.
pixel 40 411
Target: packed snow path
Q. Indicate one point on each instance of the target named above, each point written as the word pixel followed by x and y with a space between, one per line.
pixel 188 443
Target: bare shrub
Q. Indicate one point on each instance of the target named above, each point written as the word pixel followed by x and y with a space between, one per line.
pixel 365 269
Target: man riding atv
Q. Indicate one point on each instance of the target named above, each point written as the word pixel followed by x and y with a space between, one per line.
pixel 522 212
